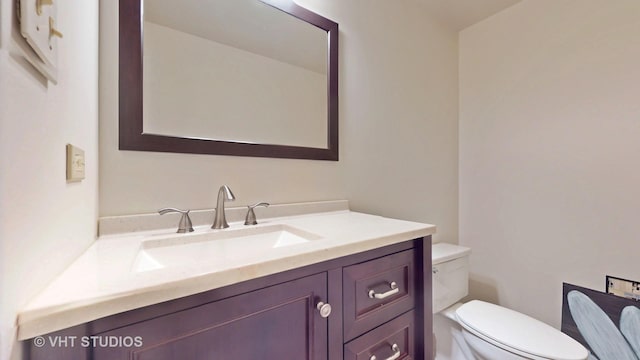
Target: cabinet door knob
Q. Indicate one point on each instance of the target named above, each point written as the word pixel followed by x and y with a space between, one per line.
pixel 324 309
pixel 396 353
pixel 394 290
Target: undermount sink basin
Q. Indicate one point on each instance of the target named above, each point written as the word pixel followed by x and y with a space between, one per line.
pixel 217 246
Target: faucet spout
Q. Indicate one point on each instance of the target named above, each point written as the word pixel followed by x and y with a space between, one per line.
pixel 220 220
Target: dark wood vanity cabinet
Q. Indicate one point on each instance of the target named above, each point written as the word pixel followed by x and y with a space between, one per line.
pixel 380 306
pixel 277 322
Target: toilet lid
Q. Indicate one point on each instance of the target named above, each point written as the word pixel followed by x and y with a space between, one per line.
pixel 518 333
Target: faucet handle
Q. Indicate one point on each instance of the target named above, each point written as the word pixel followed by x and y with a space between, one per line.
pixel 185 224
pixel 251 215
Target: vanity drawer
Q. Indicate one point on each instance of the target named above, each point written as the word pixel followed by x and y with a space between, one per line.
pixel 393 340
pixel 377 291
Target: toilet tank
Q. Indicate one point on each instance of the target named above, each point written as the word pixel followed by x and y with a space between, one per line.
pixel 450 274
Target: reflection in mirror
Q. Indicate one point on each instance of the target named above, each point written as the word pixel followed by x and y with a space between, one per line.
pixel 234 70
pixel 230 77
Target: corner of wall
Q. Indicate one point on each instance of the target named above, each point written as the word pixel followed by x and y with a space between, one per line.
pixel 41 213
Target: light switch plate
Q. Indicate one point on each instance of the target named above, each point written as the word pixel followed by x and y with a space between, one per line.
pixel 624 288
pixel 37 19
pixel 75 163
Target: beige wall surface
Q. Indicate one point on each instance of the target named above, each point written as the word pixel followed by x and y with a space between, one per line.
pixel 45 222
pixel 399 111
pixel 398 130
pixel 549 150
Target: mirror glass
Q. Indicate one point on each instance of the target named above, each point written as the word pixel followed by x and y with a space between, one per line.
pixel 229 77
pixel 233 70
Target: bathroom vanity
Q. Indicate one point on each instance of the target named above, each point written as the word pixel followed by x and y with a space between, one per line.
pixel 334 285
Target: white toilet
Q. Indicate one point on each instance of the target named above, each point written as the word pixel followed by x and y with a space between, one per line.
pixel 488 331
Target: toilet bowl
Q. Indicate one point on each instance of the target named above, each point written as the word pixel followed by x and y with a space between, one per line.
pixel 489 331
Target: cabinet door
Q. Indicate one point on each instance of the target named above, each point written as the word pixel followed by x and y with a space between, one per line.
pixel 274 323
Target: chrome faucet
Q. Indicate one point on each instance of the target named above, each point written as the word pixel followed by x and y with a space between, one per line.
pixel 185 224
pixel 250 219
pixel 220 220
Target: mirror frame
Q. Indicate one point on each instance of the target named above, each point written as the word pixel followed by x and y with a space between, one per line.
pixel 132 136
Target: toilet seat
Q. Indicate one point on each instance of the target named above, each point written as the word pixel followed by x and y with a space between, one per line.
pixel 518 333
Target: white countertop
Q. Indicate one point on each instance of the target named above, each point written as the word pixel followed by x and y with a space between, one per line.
pixel 101 281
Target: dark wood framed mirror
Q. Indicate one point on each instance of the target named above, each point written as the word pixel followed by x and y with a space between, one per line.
pixel 134 127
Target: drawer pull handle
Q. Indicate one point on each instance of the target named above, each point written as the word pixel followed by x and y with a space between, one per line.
pixel 394 290
pixel 396 353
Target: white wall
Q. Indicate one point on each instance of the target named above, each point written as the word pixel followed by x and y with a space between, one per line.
pixel 45 222
pixel 549 150
pixel 399 107
pixel 398 131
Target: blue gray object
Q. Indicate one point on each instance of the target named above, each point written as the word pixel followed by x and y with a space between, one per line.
pixel 602 335
pixel 630 327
